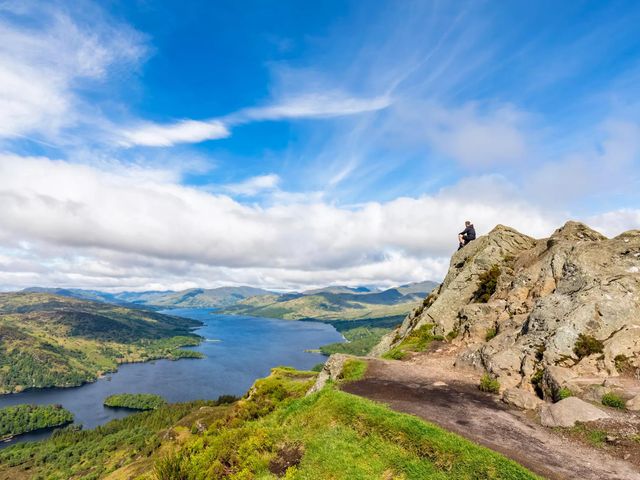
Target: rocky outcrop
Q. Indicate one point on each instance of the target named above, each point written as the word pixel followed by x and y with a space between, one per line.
pixel 331 371
pixel 540 314
pixel 567 412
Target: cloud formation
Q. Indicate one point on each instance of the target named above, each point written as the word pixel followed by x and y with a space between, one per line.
pixel 185 131
pixel 79 216
pixel 43 63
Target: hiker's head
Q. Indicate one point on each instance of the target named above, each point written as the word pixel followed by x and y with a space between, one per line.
pixel 467 223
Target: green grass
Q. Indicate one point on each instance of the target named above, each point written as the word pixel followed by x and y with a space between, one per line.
pixel 395 353
pixel 613 400
pixel 417 341
pixel 330 435
pixel 563 393
pixel 20 419
pixel 353 370
pixel 135 401
pixel 489 384
pixel 274 432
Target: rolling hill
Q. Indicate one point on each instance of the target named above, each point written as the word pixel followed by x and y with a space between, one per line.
pixel 334 303
pixel 56 341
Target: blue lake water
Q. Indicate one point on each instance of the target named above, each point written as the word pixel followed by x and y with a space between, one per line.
pixel 238 350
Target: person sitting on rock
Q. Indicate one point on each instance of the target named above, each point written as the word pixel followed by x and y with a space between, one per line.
pixel 467 235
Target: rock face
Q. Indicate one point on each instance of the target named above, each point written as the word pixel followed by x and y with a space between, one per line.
pixel 539 313
pixel 331 371
pixel 567 412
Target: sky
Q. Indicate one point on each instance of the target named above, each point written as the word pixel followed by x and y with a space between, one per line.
pixel 150 145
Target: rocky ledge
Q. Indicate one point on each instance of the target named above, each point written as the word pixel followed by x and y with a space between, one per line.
pixel 556 316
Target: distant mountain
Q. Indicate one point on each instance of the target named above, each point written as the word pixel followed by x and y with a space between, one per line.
pixel 335 303
pixel 94 295
pixel 191 298
pixel 339 289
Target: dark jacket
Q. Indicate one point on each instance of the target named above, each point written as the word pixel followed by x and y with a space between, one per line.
pixel 469 233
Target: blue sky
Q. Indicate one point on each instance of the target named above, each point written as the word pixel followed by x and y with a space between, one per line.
pixel 291 144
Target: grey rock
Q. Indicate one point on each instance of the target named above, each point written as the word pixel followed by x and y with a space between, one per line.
pixel 331 371
pixel 633 404
pixel 521 399
pixel 567 412
pixel 549 292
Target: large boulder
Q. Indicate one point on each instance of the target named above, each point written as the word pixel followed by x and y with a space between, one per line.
pixel 331 371
pixel 522 399
pixel 567 412
pixel 634 404
pixel 563 308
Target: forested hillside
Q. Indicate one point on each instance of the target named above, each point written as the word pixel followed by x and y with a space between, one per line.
pixel 49 340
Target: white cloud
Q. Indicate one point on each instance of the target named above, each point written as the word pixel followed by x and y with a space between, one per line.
pixel 43 62
pixel 313 105
pixel 91 227
pixel 254 185
pixel 318 105
pixel 185 131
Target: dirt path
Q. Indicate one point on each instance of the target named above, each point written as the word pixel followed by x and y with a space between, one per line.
pixel 460 407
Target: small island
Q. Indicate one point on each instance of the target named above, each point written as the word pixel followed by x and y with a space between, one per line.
pixel 19 419
pixel 135 401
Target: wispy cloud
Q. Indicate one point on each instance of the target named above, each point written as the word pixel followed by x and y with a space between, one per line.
pixel 313 105
pixel 43 63
pixel 253 185
pixel 185 131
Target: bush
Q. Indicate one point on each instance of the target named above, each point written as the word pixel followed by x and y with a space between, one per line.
pixel 613 400
pixel 453 334
pixel 563 393
pixel 489 384
pixel 491 333
pixel 395 354
pixel 587 345
pixel 488 284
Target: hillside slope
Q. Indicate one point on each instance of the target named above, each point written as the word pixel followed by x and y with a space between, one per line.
pixel 335 303
pixel 274 432
pixel 540 314
pixel 54 341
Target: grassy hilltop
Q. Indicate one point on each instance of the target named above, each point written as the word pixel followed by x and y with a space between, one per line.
pixel 54 341
pixel 274 432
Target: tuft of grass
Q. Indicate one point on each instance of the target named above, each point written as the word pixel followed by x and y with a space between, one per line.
pixel 587 345
pixel 563 393
pixel 623 365
pixel 536 381
pixel 491 333
pixel 613 400
pixel 417 341
pixel 489 384
pixel 453 334
pixel 395 353
pixel 488 284
pixel 353 370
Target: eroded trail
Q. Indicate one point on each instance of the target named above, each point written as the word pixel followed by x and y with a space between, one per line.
pixel 432 392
